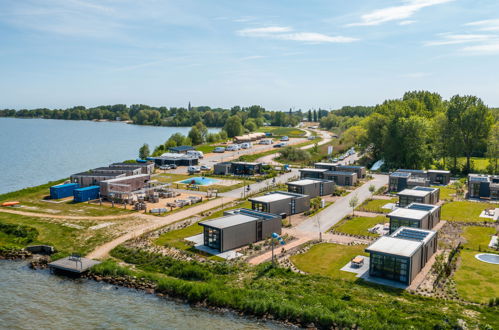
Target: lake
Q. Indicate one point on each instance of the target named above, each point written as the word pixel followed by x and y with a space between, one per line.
pixel 37 300
pixel 35 151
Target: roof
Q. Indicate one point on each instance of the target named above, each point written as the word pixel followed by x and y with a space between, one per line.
pixel 341 173
pixel 411 171
pixel 414 234
pixel 351 166
pixel 228 221
pixel 252 213
pixel 88 188
pixel 136 176
pixel 400 174
pixel 271 198
pixel 320 170
pixel 439 171
pixel 306 182
pixel 325 164
pixel 478 177
pixel 171 155
pixel 414 192
pixel 408 213
pixel 131 164
pixel 430 189
pixel 65 185
pixel 395 246
pixel 181 148
pixel 98 174
pixel 247 163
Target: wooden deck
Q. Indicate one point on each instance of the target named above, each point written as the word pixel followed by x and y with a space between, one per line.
pixel 73 265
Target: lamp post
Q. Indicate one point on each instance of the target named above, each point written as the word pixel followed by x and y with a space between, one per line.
pixel 290 213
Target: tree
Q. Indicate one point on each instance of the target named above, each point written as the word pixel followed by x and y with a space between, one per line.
pixel 353 203
pixel 233 126
pixel 372 189
pixel 250 125
pixel 493 149
pixel 195 136
pixel 309 115
pixel 144 151
pixel 293 154
pixel 315 116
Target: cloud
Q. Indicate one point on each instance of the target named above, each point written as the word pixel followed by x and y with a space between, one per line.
pixel 396 13
pixel 287 33
pixel 486 25
pixel 407 22
pixel 483 49
pixel 451 39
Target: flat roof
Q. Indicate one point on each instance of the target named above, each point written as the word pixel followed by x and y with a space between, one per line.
pixel 341 173
pixel 136 176
pixel 270 198
pixel 131 164
pixel 97 174
pixel 400 174
pixel 408 213
pixel 228 221
pixel 306 182
pixel 424 207
pixel 411 171
pixel 351 166
pixel 413 192
pixel 430 189
pixel 247 163
pixel 326 164
pixel 439 171
pixel 313 170
pixel 395 246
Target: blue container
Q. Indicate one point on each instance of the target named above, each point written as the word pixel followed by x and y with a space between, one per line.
pixel 86 194
pixel 63 190
pixel 268 134
pixel 138 160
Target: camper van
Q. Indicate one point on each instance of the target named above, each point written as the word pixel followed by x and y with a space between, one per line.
pixel 195 153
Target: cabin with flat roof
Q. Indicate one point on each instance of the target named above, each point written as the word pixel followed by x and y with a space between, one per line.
pixel 238 228
pixel 402 255
pixel 359 170
pixel 312 173
pixel 439 177
pixel 146 168
pixel 312 187
pixel 246 168
pixel 281 202
pixel 483 186
pixel 176 159
pixel 327 166
pixel 180 149
pixel 341 178
pixel 86 179
pixel 121 185
pixel 423 195
pixel 415 215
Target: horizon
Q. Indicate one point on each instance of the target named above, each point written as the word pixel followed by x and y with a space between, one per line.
pixel 280 55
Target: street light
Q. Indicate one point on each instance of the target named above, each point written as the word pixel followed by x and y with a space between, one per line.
pixel 290 213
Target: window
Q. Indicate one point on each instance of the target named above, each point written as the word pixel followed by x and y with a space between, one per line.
pixel 212 238
pixel 395 223
pixel 390 267
pixel 262 207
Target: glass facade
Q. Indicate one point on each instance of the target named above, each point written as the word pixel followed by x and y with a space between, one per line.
pixel 295 189
pixel 213 238
pixel 390 267
pixel 406 200
pixel 395 223
pixel 263 207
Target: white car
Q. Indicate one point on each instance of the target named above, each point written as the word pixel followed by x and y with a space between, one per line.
pixel 219 149
pixel 232 147
pixel 205 168
pixel 195 153
pixel 246 145
pixel 193 169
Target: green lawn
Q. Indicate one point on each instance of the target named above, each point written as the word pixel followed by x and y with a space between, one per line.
pixel 327 259
pixel 478 163
pixel 476 280
pixel 465 211
pixel 207 148
pixel 282 131
pixel 478 238
pixel 446 193
pixel 375 205
pixel 32 201
pixel 359 225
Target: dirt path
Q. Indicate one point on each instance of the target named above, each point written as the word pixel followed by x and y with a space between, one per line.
pixel 153 224
pixel 67 217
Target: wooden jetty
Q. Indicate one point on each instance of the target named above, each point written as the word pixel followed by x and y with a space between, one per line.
pixel 73 264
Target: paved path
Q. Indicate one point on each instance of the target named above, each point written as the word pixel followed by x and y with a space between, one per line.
pixel 341 208
pixel 153 224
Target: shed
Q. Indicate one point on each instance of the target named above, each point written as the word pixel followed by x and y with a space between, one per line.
pixel 312 187
pixel 281 202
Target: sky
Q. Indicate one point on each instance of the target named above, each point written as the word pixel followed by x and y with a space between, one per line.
pixel 280 54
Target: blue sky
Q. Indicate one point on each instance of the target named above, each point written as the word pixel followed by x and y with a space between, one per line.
pixel 279 54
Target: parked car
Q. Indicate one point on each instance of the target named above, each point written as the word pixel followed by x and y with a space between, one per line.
pixel 193 169
pixel 266 141
pixel 285 138
pixel 335 160
pixel 280 145
pixel 232 147
pixel 205 168
pixel 173 166
pixel 246 145
pixel 165 167
pixel 219 149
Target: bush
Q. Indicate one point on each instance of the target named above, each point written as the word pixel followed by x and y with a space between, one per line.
pixel 23 234
pixel 293 154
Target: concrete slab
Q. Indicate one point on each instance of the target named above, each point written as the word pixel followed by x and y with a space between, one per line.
pixel 357 270
pixel 488 215
pixel 73 265
pixel 389 206
pixel 196 239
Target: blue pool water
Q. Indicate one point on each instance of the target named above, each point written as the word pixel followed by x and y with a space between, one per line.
pixel 200 180
pixel 488 257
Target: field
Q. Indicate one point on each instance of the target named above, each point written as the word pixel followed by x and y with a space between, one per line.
pixel 32 200
pixel 446 193
pixel 478 164
pixel 282 131
pixel 476 280
pixel 465 211
pixel 359 225
pixel 327 259
pixel 478 238
pixel 375 205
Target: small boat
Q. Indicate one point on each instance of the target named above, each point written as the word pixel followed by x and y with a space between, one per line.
pixel 10 203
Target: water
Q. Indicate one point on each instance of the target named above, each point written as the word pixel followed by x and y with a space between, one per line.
pixel 34 151
pixel 200 180
pixel 37 300
pixel 488 258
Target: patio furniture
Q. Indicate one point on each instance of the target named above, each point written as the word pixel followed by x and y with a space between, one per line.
pixel 358 262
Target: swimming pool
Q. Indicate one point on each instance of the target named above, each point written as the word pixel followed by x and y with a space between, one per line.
pixel 488 258
pixel 200 180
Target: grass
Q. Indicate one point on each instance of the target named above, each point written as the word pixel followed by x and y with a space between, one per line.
pixel 173 178
pixel 375 205
pixel 476 280
pixel 478 238
pixel 208 148
pixel 446 193
pixel 32 200
pixel 358 225
pixel 465 211
pixel 254 157
pixel 65 239
pixel 327 259
pixel 282 131
pixel 478 164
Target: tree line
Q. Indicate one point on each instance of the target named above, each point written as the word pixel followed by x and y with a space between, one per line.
pixel 421 129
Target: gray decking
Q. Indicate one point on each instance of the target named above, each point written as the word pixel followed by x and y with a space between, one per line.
pixel 73 265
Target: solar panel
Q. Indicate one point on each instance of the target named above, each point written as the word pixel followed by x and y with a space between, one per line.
pixel 420 207
pixel 412 234
pixel 424 188
pixel 401 174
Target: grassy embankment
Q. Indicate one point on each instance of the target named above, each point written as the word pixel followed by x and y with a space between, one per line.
pixel 465 211
pixel 278 131
pixel 340 300
pixel 376 205
pixel 254 157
